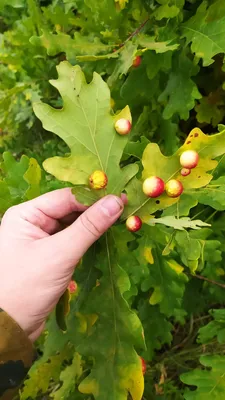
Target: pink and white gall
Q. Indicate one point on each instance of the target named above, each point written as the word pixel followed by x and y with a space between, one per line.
pixel 189 159
pixel 123 126
pixel 153 186
pixel 133 223
pixel 185 171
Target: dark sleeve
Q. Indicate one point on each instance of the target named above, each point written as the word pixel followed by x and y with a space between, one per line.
pixel 16 356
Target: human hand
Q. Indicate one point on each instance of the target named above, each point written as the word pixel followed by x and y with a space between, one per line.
pixel 38 259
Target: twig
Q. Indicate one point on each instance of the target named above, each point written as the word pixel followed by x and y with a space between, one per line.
pixel 203 278
pixel 202 318
pixel 187 337
pixel 134 33
pixel 195 349
pixel 180 365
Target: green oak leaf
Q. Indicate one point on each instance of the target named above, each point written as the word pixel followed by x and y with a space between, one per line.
pixel 158 62
pixel 130 260
pixel 33 177
pixel 77 322
pixel 113 337
pixel 56 341
pixel 87 127
pixel 151 236
pixel 210 382
pixel 178 223
pixel 205 31
pixel 20 180
pixel 156 327
pixel 135 149
pixel 101 12
pixel 170 131
pixel 125 61
pixel 102 326
pixel 61 42
pixel 210 110
pixel 6 97
pixel 189 248
pixel 60 19
pixel 215 328
pixel 12 3
pixel 149 43
pixel 155 163
pixel 167 280
pixel 168 9
pixel 138 85
pixel 181 91
pixel 212 195
pixel 182 207
pixel 195 249
pixel 69 377
pixel 212 251
pixel 41 374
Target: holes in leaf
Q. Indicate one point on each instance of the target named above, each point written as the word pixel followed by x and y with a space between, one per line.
pixel 157 201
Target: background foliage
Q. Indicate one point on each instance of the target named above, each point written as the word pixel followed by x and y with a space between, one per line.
pixel 162 281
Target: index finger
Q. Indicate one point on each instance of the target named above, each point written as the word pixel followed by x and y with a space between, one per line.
pixel 57 204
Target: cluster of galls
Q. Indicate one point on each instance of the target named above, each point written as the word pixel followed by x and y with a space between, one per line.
pixel 154 186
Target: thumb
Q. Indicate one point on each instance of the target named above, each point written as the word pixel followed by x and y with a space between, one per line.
pixel 70 244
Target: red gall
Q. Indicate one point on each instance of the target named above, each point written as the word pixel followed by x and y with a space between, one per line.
pixel 174 188
pixel 133 223
pixel 143 365
pixel 98 180
pixel 185 171
pixel 153 186
pixel 137 61
pixel 123 126
pixel 72 287
pixel 189 159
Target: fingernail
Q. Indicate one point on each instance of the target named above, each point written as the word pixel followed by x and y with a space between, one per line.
pixel 111 205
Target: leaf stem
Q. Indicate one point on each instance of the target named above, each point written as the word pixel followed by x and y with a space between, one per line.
pixel 199 213
pixel 211 215
pixel 222 285
pixel 134 33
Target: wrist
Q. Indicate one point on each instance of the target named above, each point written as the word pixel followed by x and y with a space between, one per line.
pixel 31 330
pixel 16 355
